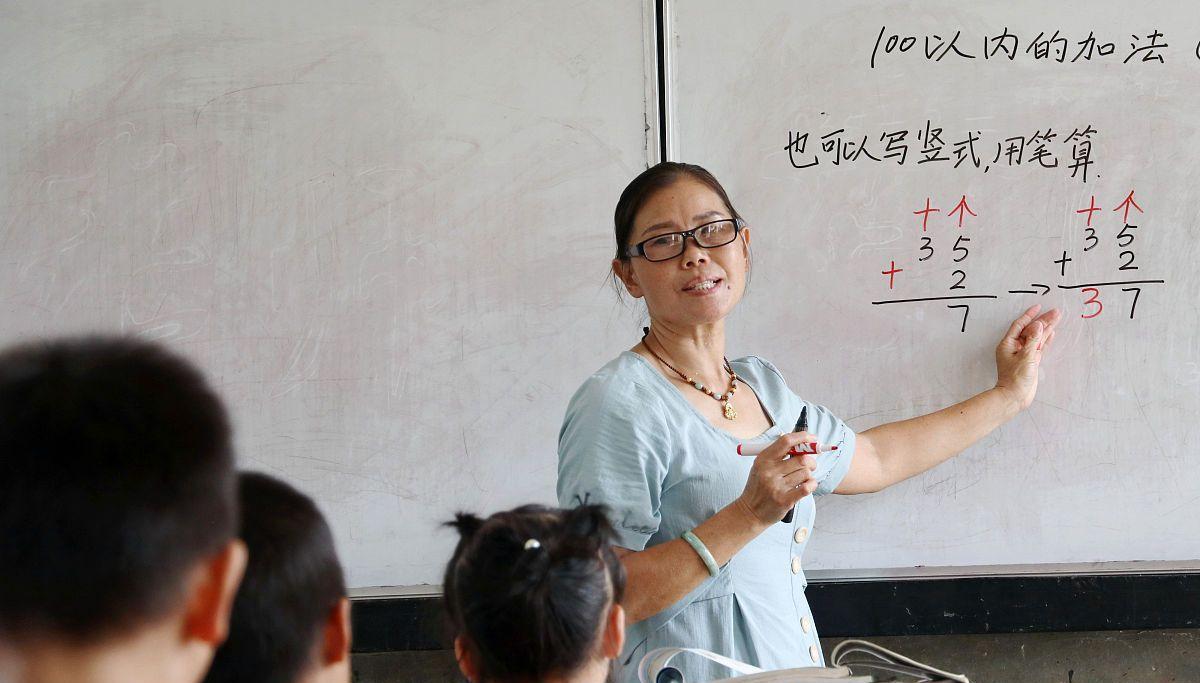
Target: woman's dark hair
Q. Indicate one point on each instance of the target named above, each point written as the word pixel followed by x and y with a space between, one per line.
pixel 528 589
pixel 652 180
pixel 292 583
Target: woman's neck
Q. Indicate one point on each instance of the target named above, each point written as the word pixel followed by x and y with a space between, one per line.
pixel 695 350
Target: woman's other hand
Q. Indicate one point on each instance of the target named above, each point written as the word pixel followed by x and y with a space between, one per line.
pixel 776 484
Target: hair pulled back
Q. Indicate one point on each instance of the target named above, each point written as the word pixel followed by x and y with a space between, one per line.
pixel 652 180
pixel 528 589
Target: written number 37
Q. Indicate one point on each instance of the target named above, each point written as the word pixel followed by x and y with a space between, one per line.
pixel 1094 307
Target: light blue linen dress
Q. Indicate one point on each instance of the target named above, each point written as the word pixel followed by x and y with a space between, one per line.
pixel 631 441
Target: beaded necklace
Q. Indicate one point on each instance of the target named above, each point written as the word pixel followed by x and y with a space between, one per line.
pixel 725 398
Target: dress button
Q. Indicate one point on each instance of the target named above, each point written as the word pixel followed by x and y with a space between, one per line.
pixel 801 534
pixel 814 653
pixel 795 565
pixel 805 624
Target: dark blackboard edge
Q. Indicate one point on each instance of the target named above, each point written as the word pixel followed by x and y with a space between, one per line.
pixel 660 44
pixel 894 607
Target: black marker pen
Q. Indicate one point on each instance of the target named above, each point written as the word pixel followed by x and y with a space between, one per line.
pixel 801 426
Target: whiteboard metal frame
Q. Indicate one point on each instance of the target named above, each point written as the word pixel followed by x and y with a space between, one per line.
pixel 650 110
pixel 662 38
pixel 1022 600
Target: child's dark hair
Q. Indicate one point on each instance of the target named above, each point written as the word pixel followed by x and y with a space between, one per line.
pixel 116 479
pixel 292 584
pixel 528 589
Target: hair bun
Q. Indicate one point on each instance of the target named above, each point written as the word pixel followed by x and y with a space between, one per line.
pixel 466 524
pixel 586 529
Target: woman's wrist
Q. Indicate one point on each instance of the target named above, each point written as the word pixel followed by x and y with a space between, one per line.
pixel 1010 402
pixel 747 518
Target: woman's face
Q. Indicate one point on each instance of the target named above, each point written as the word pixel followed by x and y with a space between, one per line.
pixel 677 290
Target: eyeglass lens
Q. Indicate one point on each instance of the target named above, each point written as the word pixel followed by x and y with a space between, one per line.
pixel 715 234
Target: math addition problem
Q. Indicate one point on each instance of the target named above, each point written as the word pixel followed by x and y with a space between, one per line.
pixel 947 235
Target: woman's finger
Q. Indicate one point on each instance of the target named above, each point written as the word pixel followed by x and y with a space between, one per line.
pixel 1047 335
pixel 793 439
pixel 799 465
pixel 1032 341
pixel 1049 319
pixel 1019 324
pixel 1048 341
pixel 797 479
pixel 797 438
pixel 805 488
pixel 774 454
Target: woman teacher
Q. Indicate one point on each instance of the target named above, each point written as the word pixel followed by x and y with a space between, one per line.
pixel 652 435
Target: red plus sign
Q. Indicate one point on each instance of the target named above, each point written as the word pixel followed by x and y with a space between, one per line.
pixel 1089 211
pixel 924 213
pixel 892 275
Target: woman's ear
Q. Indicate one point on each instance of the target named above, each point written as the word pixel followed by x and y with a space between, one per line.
pixel 465 664
pixel 746 245
pixel 624 271
pixel 614 633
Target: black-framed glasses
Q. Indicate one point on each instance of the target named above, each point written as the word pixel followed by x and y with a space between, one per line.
pixel 669 245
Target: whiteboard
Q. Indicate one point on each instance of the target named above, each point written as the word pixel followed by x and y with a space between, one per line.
pixel 1102 467
pixel 383 229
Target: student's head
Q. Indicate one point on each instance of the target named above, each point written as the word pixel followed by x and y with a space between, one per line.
pixel 117 505
pixel 532 594
pixel 291 618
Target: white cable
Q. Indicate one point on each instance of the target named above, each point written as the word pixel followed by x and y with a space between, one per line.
pixel 872 648
pixel 658 658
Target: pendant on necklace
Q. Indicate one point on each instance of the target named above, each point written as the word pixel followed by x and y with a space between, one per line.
pixel 730 413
